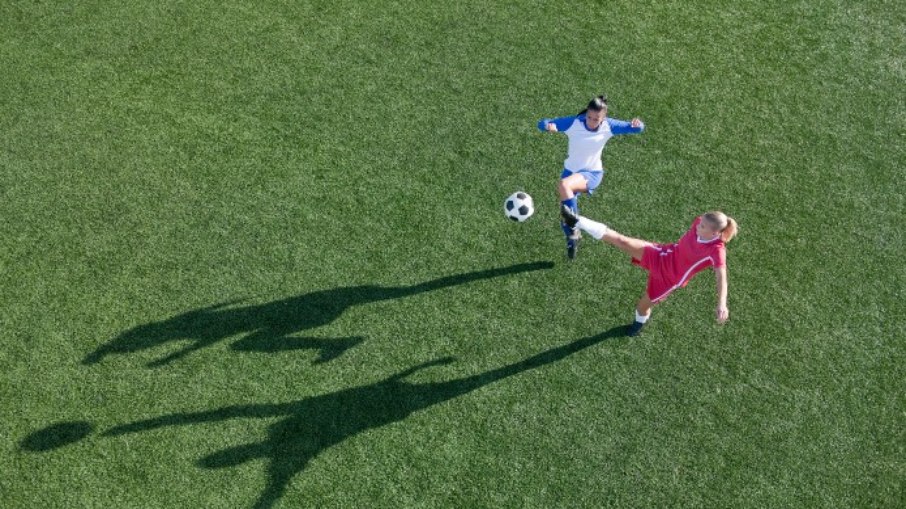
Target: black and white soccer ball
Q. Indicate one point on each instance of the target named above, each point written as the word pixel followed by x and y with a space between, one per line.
pixel 519 206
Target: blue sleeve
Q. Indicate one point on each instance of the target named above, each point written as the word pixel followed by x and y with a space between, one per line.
pixel 623 127
pixel 562 123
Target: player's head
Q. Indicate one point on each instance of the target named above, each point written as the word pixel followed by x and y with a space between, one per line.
pixel 595 112
pixel 716 223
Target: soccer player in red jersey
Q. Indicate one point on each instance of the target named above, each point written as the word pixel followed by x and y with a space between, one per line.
pixel 670 266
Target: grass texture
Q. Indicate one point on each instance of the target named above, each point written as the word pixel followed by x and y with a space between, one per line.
pixel 253 254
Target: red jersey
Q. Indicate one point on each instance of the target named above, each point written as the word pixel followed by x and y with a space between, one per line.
pixel 671 266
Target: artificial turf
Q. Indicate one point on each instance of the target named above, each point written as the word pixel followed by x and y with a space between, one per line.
pixel 254 254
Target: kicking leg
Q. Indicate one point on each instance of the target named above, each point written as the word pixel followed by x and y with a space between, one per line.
pixel 632 246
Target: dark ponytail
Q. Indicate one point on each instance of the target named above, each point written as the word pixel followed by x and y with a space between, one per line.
pixel 597 104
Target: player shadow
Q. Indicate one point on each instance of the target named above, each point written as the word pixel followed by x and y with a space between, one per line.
pixel 56 436
pixel 310 426
pixel 270 327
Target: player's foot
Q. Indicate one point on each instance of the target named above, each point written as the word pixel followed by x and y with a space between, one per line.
pixel 572 248
pixel 570 218
pixel 635 329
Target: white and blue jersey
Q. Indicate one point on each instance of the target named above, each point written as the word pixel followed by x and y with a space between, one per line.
pixel 585 146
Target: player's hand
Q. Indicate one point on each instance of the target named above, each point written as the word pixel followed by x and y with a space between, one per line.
pixel 551 127
pixel 723 314
pixel 636 123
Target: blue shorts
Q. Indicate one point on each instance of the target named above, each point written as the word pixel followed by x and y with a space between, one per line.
pixel 592 178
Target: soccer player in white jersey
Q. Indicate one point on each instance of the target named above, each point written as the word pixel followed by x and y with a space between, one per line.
pixel 583 170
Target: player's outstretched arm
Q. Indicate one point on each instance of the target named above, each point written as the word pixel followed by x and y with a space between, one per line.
pixel 553 125
pixel 723 312
pixel 623 127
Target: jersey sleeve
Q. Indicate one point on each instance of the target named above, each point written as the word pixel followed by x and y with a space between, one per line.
pixel 562 123
pixel 623 127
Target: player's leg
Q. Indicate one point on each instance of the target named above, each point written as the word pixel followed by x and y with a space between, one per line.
pixel 568 188
pixel 570 184
pixel 632 246
pixel 642 314
pixel 656 290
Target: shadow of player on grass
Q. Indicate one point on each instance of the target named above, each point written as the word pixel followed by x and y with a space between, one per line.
pixel 312 425
pixel 270 327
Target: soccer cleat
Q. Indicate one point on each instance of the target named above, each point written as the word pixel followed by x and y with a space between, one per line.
pixel 635 329
pixel 570 218
pixel 572 248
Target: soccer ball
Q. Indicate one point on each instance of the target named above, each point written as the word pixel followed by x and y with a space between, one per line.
pixel 519 206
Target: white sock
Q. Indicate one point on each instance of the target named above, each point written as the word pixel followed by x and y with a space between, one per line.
pixel 642 318
pixel 594 228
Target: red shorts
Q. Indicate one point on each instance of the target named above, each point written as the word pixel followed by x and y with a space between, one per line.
pixel 659 287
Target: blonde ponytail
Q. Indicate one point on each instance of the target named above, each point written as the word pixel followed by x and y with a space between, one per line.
pixel 723 223
pixel 730 231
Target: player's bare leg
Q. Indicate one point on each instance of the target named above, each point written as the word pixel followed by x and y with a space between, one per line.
pixel 632 246
pixel 569 186
pixel 644 306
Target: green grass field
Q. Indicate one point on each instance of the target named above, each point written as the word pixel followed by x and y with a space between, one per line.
pixel 253 254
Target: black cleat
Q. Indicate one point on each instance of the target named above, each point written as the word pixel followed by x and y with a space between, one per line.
pixel 570 218
pixel 635 329
pixel 572 248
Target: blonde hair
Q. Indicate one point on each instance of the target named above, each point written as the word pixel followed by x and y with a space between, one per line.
pixel 723 223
